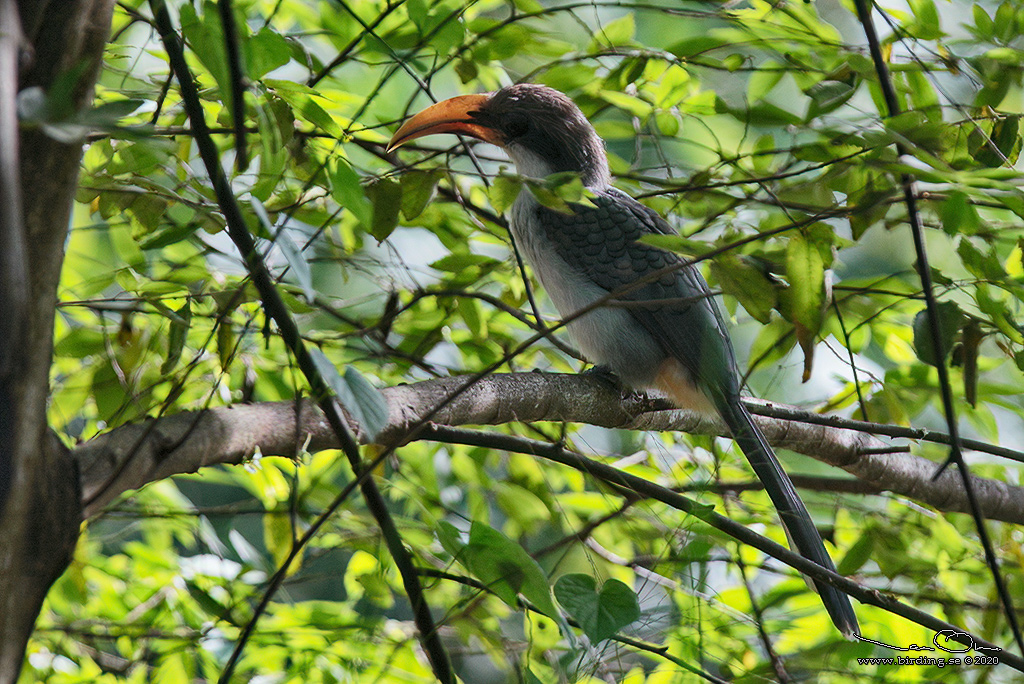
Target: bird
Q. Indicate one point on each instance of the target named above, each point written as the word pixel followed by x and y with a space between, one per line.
pixel 664 331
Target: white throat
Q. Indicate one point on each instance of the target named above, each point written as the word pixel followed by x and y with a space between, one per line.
pixel 533 165
pixel 527 163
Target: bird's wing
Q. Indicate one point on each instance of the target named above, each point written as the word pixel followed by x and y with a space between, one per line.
pixel 675 306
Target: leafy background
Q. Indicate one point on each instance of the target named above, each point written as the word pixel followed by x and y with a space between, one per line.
pixel 745 120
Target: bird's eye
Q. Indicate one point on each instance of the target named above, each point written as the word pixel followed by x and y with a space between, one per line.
pixel 517 124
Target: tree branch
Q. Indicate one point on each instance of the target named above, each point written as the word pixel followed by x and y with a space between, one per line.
pixel 934 327
pixel 274 307
pixel 132 455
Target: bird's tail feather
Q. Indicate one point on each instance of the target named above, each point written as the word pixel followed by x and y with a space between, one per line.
pixel 795 518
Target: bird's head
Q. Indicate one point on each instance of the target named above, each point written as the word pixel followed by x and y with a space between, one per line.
pixel 542 130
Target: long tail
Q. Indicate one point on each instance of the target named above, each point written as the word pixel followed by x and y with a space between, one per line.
pixel 797 521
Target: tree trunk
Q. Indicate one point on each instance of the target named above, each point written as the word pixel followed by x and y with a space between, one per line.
pixel 40 510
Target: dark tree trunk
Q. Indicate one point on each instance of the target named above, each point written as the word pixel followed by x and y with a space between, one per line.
pixel 40 507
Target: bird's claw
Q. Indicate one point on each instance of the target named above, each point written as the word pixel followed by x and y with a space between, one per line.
pixel 606 375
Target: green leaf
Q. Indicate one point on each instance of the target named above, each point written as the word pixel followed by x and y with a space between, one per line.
pixel 617 32
pixel 265 51
pixel 958 215
pixel 528 6
pixel 370 401
pixel 455 263
pixel 506 568
pixel 927 26
pixel 1013 200
pixel 668 124
pixel 748 284
pixel 1001 147
pixel 127 248
pixel 807 257
pixel 558 191
pixel 60 96
pixel 951 318
pixel 225 343
pixel 386 196
pixel 761 113
pixel 600 614
pixel 367 578
pixel 503 191
pixel 81 342
pixel 969 350
pixel 279 538
pixel 983 22
pixel 205 600
pixel 418 11
pixel 530 678
pixel 858 555
pixel 470 310
pixel 147 212
pixel 417 189
pixel 916 128
pixel 548 198
pixel 923 95
pixel 305 106
pixel 293 255
pixel 204 34
pixel 108 114
pixel 296 259
pixel 450 538
pixel 106 392
pixel 697 46
pixel 827 96
pixel 356 394
pixel 568 78
pixel 762 81
pixel 734 61
pixel 467 70
pixel 180 324
pixel 630 104
pixel 675 243
pixel 999 312
pixel 983 265
pixel 808 254
pixel 1004 22
pixel 348 192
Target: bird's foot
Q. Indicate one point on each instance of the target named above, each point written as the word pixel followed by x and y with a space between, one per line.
pixel 634 402
pixel 605 374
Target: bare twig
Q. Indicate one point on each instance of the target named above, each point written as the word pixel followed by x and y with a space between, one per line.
pixel 924 270
pixel 276 309
pixel 238 86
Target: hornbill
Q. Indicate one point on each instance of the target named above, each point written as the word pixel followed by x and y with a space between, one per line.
pixel 663 331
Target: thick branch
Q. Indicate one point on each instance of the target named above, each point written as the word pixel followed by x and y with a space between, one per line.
pixel 130 456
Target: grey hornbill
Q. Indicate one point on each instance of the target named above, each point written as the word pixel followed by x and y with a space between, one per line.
pixel 665 332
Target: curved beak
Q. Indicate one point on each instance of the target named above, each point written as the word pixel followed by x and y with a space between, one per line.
pixel 450 116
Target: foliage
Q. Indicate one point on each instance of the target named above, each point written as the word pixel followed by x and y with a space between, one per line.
pixel 756 128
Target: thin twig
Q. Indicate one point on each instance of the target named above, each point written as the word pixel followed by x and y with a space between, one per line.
pixel 740 532
pixel 276 309
pixel 931 305
pixel 237 76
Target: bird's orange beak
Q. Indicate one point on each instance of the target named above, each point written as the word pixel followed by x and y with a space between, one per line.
pixel 449 116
